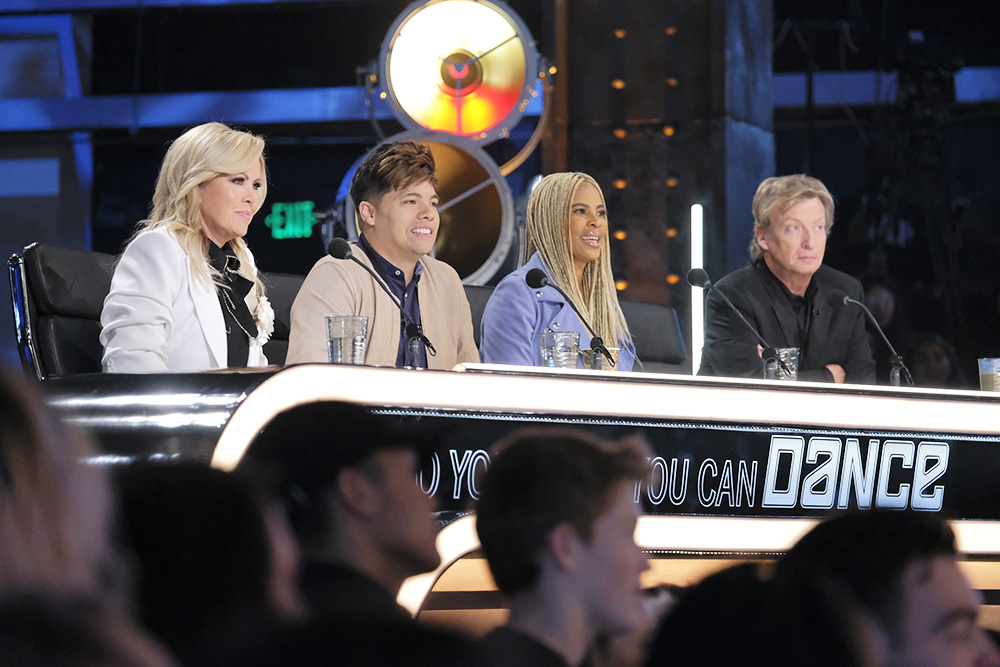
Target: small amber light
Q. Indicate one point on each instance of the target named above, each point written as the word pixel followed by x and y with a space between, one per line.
pixel 672 232
pixel 671 31
pixel 672 182
pixel 673 279
pixel 618 84
pixel 619 132
pixel 672 81
pixel 620 33
pixel 620 183
pixel 621 285
pixel 668 130
pixel 621 234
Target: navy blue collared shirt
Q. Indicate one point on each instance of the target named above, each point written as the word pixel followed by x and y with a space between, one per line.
pixel 407 295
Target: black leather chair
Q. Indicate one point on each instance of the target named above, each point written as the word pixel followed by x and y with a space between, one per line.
pixel 282 289
pixel 656 332
pixel 58 294
pixel 478 295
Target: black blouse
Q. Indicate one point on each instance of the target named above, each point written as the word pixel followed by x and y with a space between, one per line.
pixel 240 325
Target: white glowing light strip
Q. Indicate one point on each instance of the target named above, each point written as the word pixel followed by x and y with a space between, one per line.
pixel 726 535
pixel 174 420
pixel 628 395
pixel 697 293
pixel 454 541
pixel 977 537
pixel 119 401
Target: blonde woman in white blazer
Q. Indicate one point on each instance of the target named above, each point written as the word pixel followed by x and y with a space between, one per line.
pixel 185 295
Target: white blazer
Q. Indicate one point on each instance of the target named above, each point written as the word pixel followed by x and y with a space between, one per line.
pixel 157 319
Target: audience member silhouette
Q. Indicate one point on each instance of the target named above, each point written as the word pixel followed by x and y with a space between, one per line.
pixel 934 363
pixel 740 617
pixel 902 569
pixel 556 518
pixel 215 565
pixel 63 585
pixel 366 526
pixel 45 630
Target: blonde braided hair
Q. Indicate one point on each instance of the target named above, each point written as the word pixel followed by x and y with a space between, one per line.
pixel 548 234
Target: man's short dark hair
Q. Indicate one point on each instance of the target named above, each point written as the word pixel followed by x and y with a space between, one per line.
pixel 538 479
pixel 307 446
pixel 392 166
pixel 868 553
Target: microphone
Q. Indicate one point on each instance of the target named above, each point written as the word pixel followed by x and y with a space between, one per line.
pixel 838 299
pixel 340 249
pixel 536 279
pixel 699 278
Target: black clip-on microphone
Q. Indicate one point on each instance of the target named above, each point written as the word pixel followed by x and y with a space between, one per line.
pixel 699 278
pixel 838 299
pixel 537 279
pixel 341 249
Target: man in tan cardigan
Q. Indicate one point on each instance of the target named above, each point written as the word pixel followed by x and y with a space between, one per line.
pixel 394 191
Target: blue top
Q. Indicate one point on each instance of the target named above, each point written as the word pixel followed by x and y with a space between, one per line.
pixel 516 314
pixel 407 294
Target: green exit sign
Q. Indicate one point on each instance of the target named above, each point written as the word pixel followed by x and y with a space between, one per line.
pixel 293 220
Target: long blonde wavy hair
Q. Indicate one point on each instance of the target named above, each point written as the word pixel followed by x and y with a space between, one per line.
pixel 548 234
pixel 194 158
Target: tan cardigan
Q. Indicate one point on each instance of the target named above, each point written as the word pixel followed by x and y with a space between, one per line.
pixel 341 287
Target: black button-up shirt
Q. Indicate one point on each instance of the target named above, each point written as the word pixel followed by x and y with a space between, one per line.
pixel 395 279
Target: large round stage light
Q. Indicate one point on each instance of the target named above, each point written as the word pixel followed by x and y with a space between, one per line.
pixel 465 67
pixel 476 206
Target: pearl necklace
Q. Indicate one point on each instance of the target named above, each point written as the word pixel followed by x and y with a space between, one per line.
pixel 231 307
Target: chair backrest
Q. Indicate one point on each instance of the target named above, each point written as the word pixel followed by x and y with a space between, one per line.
pixel 656 332
pixel 478 295
pixel 58 294
pixel 281 291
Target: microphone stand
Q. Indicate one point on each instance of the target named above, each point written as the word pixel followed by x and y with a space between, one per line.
pixel 840 298
pixel 539 279
pixel 414 332
pixel 769 356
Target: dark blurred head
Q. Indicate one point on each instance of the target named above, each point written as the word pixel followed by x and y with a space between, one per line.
pixel 933 362
pixel 902 569
pixel 205 553
pixel 350 477
pixel 308 446
pixel 540 478
pixel 54 505
pixel 42 630
pixel 881 300
pixel 739 617
pixel 868 552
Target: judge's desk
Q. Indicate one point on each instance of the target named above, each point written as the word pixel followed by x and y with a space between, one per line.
pixel 740 468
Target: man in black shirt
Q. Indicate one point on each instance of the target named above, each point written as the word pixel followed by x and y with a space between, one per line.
pixel 783 293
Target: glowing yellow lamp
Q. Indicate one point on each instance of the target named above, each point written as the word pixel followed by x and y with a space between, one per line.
pixel 465 67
